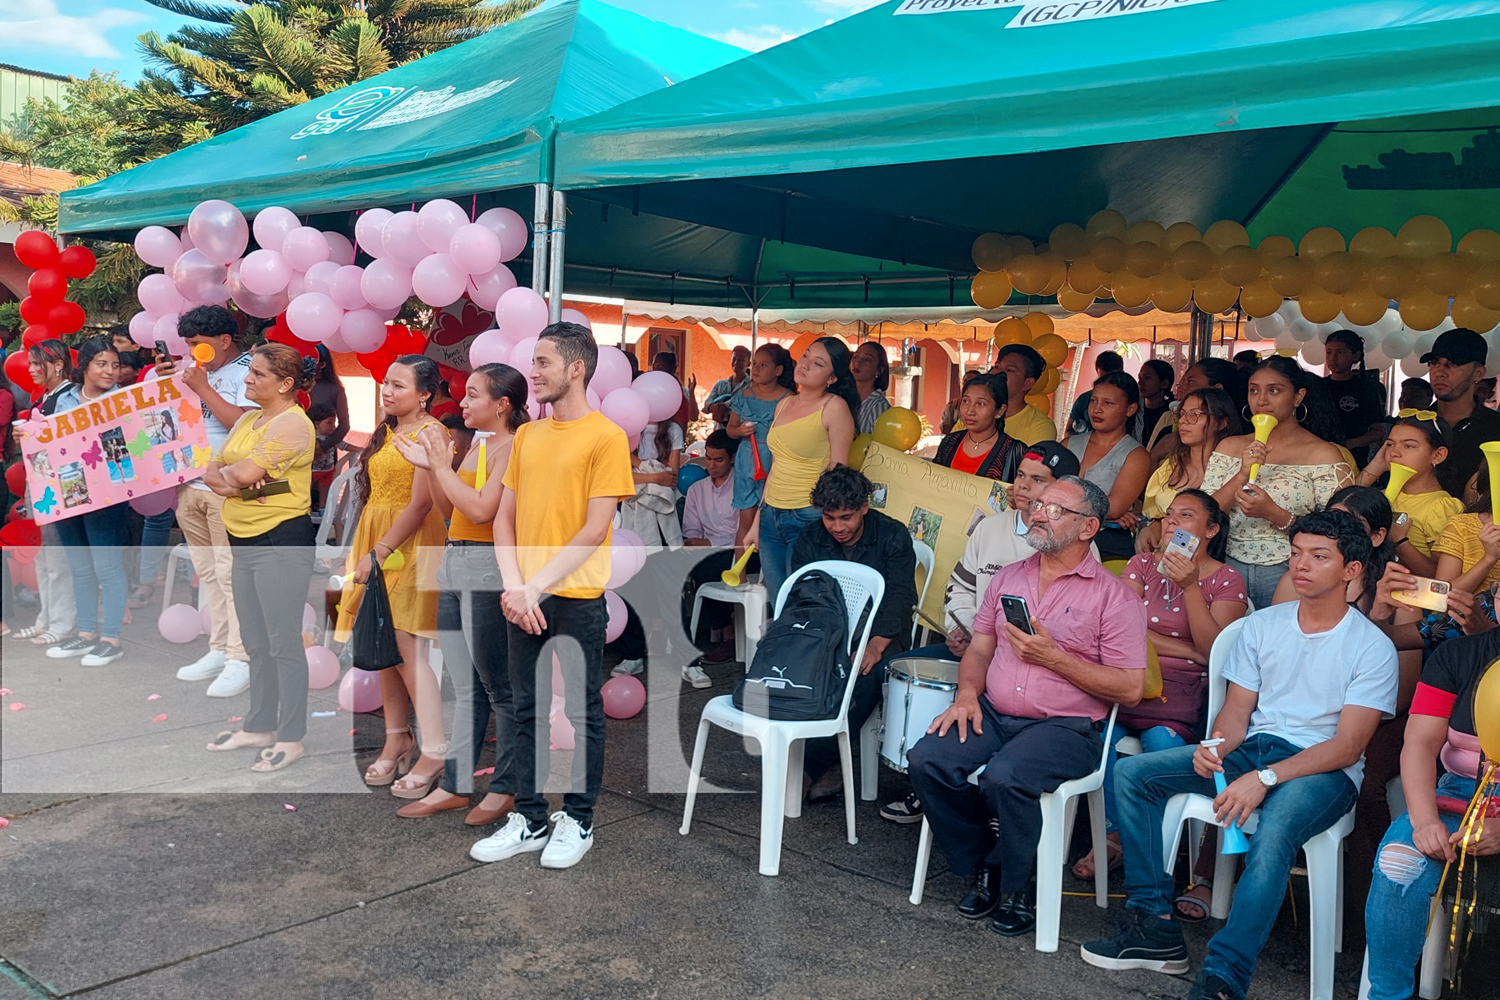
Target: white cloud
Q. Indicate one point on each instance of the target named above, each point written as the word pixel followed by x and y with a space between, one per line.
pixel 756 39
pixel 38 22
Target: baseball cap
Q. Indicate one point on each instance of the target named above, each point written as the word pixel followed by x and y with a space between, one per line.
pixel 1460 346
pixel 1059 460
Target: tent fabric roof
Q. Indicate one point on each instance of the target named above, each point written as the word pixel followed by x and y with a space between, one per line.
pixel 475 117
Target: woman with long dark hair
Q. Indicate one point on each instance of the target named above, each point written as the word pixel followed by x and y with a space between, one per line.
pixel 872 377
pixel 1204 418
pixel 1209 373
pixel 399 516
pixel 471 626
pixel 329 391
pixel 751 410
pixel 982 448
pixel 1113 460
pixel 1155 379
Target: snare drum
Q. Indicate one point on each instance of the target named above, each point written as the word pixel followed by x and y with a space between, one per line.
pixel 918 690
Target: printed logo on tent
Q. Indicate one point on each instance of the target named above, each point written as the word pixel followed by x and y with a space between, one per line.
pixel 1476 167
pixel 384 106
pixel 1036 13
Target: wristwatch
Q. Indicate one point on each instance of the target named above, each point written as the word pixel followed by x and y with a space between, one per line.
pixel 1267 777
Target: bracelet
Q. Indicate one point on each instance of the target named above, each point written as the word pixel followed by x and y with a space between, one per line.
pixel 379 544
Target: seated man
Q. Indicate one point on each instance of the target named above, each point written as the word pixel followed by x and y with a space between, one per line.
pixel 1029 704
pixel 1308 683
pixel 709 518
pixel 850 530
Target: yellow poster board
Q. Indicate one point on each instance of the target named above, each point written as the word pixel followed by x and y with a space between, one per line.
pixel 938 506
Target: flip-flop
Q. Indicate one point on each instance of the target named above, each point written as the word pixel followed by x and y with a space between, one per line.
pixel 273 760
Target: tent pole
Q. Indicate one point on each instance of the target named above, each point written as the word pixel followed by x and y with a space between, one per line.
pixel 541 239
pixel 754 327
pixel 559 241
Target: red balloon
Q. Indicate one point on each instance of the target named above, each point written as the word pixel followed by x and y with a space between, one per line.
pixel 17 371
pixel 36 249
pixel 24 415
pixel 72 357
pixel 22 534
pixel 35 334
pixel 17 511
pixel 15 479
pixel 24 573
pixel 48 286
pixel 304 400
pixel 76 262
pixel 66 317
pixel 33 311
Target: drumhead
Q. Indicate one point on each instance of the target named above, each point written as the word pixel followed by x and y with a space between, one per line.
pixel 924 671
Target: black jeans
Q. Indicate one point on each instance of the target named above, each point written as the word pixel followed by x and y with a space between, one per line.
pixel 575 632
pixel 270 580
pixel 1024 758
pixel 471 632
pixel 823 753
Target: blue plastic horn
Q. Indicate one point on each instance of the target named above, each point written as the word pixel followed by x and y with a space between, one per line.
pixel 1235 841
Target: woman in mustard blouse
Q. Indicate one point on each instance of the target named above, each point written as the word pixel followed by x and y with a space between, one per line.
pixel 272 538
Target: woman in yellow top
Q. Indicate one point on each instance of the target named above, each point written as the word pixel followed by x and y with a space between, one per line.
pixel 272 537
pixel 471 625
pixel 810 433
pixel 1416 441
pixel 1204 418
pixel 1468 552
pixel 399 516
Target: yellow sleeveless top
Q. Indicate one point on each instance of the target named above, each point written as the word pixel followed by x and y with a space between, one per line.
pixel 801 452
pixel 460 528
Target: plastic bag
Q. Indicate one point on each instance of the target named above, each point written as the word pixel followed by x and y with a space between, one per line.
pixel 372 642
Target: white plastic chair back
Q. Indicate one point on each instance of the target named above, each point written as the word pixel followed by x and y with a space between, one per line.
pixel 926 560
pixel 1217 657
pixel 863 587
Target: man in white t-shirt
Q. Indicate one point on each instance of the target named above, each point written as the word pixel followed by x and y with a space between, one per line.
pixel 1308 683
pixel 220 383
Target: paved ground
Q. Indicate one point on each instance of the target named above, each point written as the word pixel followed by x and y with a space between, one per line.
pixel 122 876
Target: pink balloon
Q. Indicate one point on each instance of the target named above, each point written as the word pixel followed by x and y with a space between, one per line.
pixel 614 606
pixel 489 348
pixel 335 341
pixel 179 623
pixel 563 736
pixel 475 248
pixel 340 250
pixel 158 246
pixel 521 358
pixel 400 239
pixel 265 272
pixel 612 371
pixel 344 289
pixel 362 330
pixel 624 696
pixel 386 283
pixel 438 281
pixel 297 285
pixel 304 247
pixel 359 691
pixel 486 289
pixel 511 229
pixel 155 503
pixel 320 277
pixel 213 295
pixel 166 329
pixel 259 306
pixel 662 392
pixel 158 295
pixel 628 409
pixel 196 277
pixel 367 229
pixel 322 667
pixel 142 329
pixel 521 312
pixel 205 620
pixel 591 397
pixel 313 316
pixel 627 557
pixel 574 316
pixel 437 221
pixel 271 226
pixel 219 231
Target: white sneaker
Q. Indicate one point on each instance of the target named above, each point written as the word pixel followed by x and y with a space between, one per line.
pixel 205 667
pixel 695 676
pixel 569 843
pixel 628 668
pixel 235 679
pixel 515 837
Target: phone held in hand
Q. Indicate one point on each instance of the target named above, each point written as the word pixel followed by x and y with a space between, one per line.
pixel 1184 543
pixel 1429 594
pixel 270 488
pixel 1016 612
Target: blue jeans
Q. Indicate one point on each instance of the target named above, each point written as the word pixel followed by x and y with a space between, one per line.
pixel 1396 912
pixel 1153 739
pixel 1293 812
pixel 779 530
pixel 1260 581
pixel 95 546
pixel 154 536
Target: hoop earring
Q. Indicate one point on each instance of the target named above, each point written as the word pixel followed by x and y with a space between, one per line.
pixel 1301 413
pixel 1245 412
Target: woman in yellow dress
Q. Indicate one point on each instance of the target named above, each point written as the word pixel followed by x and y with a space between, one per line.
pixel 399 516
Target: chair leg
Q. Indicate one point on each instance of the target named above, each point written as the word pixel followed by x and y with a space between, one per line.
pixel 924 857
pixel 739 636
pixel 773 775
pixel 697 607
pixel 1364 978
pixel 1195 831
pixel 1049 863
pixel 793 758
pixel 1435 953
pixel 846 761
pixel 1101 848
pixel 1322 888
pixel 1338 898
pixel 693 775
pixel 869 758
pixel 1225 870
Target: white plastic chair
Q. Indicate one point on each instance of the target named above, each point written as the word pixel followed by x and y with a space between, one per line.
pixel 781 742
pixel 749 615
pixel 1059 809
pixel 340 507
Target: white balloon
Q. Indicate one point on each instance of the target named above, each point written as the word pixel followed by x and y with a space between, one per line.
pixel 1302 331
pixel 1412 368
pixel 1424 343
pixel 1269 327
pixel 1397 345
pixel 1492 362
pixel 1389 323
pixel 1286 342
pixel 1313 352
pixel 1376 360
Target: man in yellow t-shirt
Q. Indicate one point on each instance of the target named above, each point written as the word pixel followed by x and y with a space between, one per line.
pixel 1022 366
pixel 552 533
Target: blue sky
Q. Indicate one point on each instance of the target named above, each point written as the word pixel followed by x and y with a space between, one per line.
pixel 75 36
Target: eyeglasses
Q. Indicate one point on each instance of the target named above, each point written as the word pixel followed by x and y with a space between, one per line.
pixel 1053 510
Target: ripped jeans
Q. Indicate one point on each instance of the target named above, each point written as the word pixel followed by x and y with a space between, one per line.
pixel 1397 910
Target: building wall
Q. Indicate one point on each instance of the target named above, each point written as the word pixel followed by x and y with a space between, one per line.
pixel 18 85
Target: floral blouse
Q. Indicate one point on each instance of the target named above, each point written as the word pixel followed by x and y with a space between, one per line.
pixel 1296 489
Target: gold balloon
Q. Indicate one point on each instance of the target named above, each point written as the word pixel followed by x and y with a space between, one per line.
pixel 1363 306
pixel 1487 712
pixel 1422 310
pixel 1074 301
pixel 1107 223
pixel 1392 277
pixel 991 252
pixel 1193 261
pixel 898 428
pixel 1029 274
pixel 1057 271
pixel 1109 254
pixel 1467 312
pixel 857 449
pixel 1372 244
pixel 1259 299
pixel 1484 285
pixel 1179 233
pixel 1290 276
pixel 1130 290
pixel 1041 325
pixel 1040 402
pixel 1070 240
pixel 1145 260
pixel 1240 265
pixel 1084 276
pixel 1012 330
pixel 1480 246
pixel 1214 295
pixel 1320 241
pixel 1424 236
pixel 1273 247
pixel 1048 383
pixel 1224 234
pixel 1170 292
pixel 1145 232
pixel 1319 305
pixel 1444 273
pixel 1338 272
pixel 991 289
pixel 1052 348
pixel 1020 246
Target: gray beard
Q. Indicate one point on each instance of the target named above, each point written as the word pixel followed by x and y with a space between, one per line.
pixel 1049 545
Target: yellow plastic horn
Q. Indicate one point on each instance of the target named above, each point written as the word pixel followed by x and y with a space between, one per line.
pixel 734 574
pixel 1491 451
pixel 1399 475
pixel 1264 424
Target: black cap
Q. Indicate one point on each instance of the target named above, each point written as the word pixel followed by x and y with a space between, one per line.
pixel 1460 346
pixel 1059 460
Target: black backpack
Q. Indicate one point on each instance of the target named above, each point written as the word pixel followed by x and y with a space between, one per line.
pixel 801 666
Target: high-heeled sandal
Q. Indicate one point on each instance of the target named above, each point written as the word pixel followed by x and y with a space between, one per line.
pixel 408 787
pixel 386 770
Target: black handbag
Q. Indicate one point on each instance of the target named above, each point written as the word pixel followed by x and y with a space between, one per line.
pixel 372 642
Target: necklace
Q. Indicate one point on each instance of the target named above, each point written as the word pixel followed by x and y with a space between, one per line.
pixel 974 446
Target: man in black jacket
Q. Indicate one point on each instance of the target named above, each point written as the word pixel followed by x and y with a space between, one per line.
pixel 850 530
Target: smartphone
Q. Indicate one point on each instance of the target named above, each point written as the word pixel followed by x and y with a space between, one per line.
pixel 1016 612
pixel 1184 543
pixel 271 488
pixel 162 352
pixel 1429 594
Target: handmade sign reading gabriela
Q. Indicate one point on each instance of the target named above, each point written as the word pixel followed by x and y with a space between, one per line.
pixel 129 443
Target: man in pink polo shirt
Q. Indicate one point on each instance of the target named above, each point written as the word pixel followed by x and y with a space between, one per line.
pixel 1029 706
